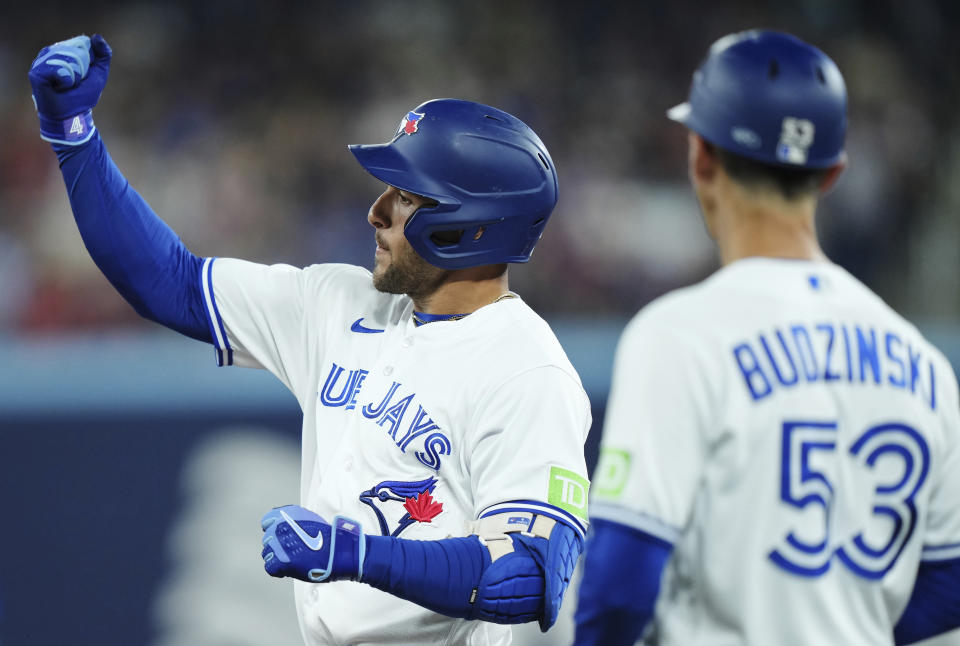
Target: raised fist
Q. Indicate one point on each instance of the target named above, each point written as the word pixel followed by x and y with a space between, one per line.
pixel 67 79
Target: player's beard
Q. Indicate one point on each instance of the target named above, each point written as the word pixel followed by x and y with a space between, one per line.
pixel 408 274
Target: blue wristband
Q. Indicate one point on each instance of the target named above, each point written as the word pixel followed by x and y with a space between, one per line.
pixel 71 131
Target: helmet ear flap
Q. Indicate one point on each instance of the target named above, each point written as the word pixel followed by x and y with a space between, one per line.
pixel 437 242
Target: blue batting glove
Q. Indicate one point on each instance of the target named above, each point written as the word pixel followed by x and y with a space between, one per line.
pixel 301 544
pixel 67 79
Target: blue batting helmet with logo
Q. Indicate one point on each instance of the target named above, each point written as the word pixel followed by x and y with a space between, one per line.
pixel 770 97
pixel 491 176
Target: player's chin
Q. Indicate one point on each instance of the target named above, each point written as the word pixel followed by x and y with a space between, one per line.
pixel 382 280
pixel 380 266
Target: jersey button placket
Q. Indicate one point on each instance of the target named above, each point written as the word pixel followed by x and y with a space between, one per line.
pixel 390 357
pixel 389 367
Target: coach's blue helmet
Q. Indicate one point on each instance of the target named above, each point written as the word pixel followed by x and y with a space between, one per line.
pixel 491 176
pixel 770 97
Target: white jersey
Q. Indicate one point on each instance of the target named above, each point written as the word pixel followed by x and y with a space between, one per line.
pixel 799 444
pixel 415 432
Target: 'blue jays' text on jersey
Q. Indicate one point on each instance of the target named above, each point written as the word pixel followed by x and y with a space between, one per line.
pixel 797 442
pixel 415 432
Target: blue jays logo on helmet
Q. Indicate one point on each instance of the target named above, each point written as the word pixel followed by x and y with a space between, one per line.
pixel 391 497
pixel 770 97
pixel 409 123
pixel 491 177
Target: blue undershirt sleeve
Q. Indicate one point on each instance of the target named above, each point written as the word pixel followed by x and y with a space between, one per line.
pixel 934 606
pixel 138 253
pixel 438 575
pixel 621 580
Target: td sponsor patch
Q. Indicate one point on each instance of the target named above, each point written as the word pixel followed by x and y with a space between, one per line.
pixel 568 491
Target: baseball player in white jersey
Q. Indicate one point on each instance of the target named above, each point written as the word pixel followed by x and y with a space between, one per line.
pixel 780 460
pixel 443 485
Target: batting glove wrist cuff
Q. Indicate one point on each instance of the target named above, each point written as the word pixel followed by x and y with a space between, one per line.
pixel 347 551
pixel 72 131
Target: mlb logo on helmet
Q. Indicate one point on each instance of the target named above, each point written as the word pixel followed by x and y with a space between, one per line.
pixel 796 137
pixel 409 123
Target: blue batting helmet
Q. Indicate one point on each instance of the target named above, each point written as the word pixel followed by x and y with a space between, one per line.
pixel 491 176
pixel 770 97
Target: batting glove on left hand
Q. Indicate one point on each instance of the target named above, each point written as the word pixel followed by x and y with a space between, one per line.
pixel 301 544
pixel 67 79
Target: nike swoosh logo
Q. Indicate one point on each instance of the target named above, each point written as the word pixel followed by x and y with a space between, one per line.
pixel 357 327
pixel 314 543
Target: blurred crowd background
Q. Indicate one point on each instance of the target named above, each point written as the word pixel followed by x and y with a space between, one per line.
pixel 232 119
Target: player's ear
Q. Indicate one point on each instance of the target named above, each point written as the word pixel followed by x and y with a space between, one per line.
pixel 833 174
pixel 701 159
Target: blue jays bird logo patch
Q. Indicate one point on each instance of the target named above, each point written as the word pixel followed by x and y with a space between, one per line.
pixel 410 122
pixel 391 497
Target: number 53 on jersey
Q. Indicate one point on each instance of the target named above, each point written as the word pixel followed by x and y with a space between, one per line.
pixel 818 475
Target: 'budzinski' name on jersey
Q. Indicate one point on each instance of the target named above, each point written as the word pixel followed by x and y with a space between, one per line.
pixel 783 357
pixel 796 441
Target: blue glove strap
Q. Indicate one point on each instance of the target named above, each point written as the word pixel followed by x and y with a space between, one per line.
pixel 347 551
pixel 71 131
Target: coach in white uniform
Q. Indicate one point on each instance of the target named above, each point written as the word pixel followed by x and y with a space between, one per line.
pixel 779 444
pixel 443 425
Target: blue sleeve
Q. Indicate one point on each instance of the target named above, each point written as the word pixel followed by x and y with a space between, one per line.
pixel 621 580
pixel 140 255
pixel 438 575
pixel 934 606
